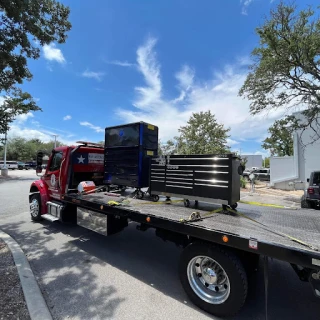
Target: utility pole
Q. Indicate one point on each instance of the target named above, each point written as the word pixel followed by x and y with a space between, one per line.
pixel 55 139
pixel 5 151
pixel 4 169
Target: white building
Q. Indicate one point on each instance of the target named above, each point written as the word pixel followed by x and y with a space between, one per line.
pixel 253 160
pixel 292 172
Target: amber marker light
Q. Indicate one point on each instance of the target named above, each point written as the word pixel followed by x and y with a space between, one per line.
pixel 225 239
pixel 148 219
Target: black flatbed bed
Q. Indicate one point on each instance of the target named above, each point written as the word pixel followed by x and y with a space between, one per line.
pixel 301 224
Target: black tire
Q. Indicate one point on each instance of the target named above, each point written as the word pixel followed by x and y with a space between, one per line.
pixel 313 205
pixel 186 203
pixel 232 267
pixel 305 204
pixel 35 199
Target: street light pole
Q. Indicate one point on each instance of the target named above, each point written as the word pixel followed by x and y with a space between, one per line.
pixel 4 169
pixel 55 139
pixel 5 151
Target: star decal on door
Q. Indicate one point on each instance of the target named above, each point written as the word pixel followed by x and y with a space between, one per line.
pixel 81 159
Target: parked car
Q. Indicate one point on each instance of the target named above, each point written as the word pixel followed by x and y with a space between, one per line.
pixel 31 164
pixel 262 174
pixel 311 197
pixel 10 164
pixel 23 166
pixel 246 174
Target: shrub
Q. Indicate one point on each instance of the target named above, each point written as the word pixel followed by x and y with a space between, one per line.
pixel 243 182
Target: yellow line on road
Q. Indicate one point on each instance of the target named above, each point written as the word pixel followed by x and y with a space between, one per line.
pixel 262 204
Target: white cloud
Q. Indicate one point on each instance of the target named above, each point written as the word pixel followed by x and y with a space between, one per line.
pixel 231 142
pixel 37 132
pixel 264 153
pixel 21 118
pixel 52 53
pixel 34 130
pixel 68 117
pixel 245 5
pixel 91 126
pixel 185 78
pixel 122 63
pixel 150 69
pixel 94 75
pixel 219 94
pixel 244 61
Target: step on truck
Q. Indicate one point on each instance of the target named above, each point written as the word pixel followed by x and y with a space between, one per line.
pixel 221 247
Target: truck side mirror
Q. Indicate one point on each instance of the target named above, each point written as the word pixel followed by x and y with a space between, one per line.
pixel 38 169
pixel 308 180
pixel 39 158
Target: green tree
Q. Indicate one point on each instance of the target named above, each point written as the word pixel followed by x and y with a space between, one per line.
pixel 19 103
pixel 280 141
pixel 19 148
pixel 202 135
pixel 23 25
pixel 266 162
pixel 168 148
pixel 286 68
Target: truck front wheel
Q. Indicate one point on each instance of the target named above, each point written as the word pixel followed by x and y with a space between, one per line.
pixel 35 207
pixel 213 278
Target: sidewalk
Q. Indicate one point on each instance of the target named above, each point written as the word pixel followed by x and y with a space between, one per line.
pixel 20 294
pixel 12 303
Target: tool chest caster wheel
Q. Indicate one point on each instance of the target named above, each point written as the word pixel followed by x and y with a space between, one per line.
pixel 155 198
pixel 234 206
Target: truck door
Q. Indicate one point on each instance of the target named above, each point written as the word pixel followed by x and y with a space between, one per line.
pixel 51 177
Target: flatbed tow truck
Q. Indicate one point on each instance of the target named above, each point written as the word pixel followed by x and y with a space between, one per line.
pixel 221 247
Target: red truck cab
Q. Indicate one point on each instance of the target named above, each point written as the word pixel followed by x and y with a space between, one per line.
pixel 67 167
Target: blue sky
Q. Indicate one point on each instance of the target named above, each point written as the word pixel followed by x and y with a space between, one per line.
pixel 155 61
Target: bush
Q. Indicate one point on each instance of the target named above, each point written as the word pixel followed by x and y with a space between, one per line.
pixel 243 182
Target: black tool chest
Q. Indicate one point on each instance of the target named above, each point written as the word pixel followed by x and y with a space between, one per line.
pixel 210 178
pixel 128 149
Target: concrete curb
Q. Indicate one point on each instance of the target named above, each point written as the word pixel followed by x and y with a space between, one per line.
pixel 36 304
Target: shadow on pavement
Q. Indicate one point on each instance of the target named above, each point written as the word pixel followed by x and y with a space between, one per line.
pixel 146 258
pixel 62 271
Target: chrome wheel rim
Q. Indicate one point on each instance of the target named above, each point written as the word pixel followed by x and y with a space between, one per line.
pixel 34 207
pixel 208 280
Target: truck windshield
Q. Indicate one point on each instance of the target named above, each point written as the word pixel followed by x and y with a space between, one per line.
pixel 56 161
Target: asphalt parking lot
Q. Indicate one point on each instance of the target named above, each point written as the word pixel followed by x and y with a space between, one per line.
pixel 131 275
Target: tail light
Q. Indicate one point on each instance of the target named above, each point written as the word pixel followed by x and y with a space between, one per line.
pixel 310 190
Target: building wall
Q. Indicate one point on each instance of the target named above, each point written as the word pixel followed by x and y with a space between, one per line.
pixel 253 160
pixel 282 168
pixel 292 172
pixel 309 155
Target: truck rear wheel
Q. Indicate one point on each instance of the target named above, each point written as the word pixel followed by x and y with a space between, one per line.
pixel 35 207
pixel 213 278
